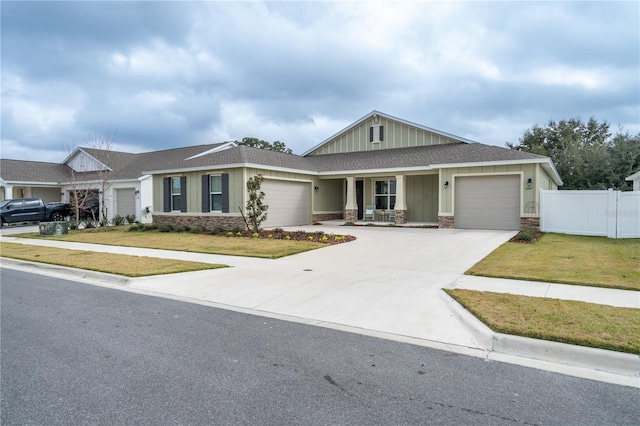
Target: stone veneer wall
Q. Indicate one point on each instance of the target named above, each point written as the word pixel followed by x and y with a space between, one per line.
pixel 351 216
pixel 209 222
pixel 327 216
pixel 445 222
pixel 401 217
pixel 530 222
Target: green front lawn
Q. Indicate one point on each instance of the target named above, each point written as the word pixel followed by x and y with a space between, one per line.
pixel 567 259
pixel 185 241
pixel 566 321
pixel 128 266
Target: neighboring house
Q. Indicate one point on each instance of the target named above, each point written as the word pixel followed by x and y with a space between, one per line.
pixel 635 178
pixel 403 169
pixel 99 172
pixel 407 172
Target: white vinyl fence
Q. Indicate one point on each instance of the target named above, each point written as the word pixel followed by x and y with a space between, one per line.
pixel 612 214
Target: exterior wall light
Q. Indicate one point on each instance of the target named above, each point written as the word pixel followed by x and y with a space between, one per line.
pixel 529 183
pixel 446 184
pixel 316 188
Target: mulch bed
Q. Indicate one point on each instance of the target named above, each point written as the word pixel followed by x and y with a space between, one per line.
pixel 317 237
pixel 521 237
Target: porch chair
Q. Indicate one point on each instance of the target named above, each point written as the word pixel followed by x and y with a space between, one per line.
pixel 369 213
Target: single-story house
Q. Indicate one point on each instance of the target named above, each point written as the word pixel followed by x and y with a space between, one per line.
pixel 403 171
pixel 379 168
pixel 108 177
pixel 635 178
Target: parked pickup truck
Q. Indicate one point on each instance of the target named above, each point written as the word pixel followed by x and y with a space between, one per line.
pixel 32 210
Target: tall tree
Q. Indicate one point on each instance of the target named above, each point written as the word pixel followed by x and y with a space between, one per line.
pixel 624 153
pixel 584 154
pixel 259 143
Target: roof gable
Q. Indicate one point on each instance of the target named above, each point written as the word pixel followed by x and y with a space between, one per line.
pixel 377 131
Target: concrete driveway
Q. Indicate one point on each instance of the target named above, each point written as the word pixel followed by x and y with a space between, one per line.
pixel 387 281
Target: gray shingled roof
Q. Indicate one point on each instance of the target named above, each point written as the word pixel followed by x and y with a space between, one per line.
pixel 417 156
pixel 133 166
pixel 33 171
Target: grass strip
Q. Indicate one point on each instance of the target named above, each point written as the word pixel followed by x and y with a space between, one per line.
pixel 120 264
pixel 567 259
pixel 566 321
pixel 184 241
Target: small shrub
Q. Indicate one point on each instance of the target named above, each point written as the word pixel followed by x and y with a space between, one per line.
pixel 278 230
pixel 165 228
pixel 230 234
pixel 134 228
pixel 348 224
pixel 130 218
pixel 90 223
pixel 117 220
pixel 319 233
pixel 217 230
pixel 183 228
pixel 527 234
pixel 236 229
pixel 255 235
pixel 286 237
pixel 238 234
pixel 198 229
pixel 148 227
pixel 73 224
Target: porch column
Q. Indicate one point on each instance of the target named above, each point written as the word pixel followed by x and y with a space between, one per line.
pixel 351 207
pixel 401 206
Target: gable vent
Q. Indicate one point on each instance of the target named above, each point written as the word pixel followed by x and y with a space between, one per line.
pixel 376 134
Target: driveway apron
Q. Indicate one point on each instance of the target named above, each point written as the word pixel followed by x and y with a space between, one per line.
pixel 389 280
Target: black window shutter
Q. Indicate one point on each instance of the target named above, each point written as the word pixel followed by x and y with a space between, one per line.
pixel 206 199
pixel 381 133
pixel 371 134
pixel 225 192
pixel 166 185
pixel 183 193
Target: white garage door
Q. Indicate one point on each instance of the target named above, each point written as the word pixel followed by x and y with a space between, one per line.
pixel 126 202
pixel 288 203
pixel 487 202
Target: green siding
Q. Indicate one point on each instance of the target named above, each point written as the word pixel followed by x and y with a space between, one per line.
pixel 422 198
pixel 330 195
pixel 396 135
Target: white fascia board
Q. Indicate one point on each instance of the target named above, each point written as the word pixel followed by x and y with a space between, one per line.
pixel 75 152
pixel 634 176
pixel 29 183
pixel 144 177
pixel 546 162
pixel 385 171
pixel 222 147
pixel 231 166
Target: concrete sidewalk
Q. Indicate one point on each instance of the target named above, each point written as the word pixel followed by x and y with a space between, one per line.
pixel 387 283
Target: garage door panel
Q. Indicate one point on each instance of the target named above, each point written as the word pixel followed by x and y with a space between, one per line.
pixel 288 203
pixel 126 202
pixel 487 202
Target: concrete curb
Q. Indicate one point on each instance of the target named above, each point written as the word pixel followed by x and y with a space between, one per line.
pixel 562 353
pixel 68 272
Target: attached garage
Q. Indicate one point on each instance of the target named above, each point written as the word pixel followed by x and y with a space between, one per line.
pixel 48 195
pixel 487 202
pixel 288 203
pixel 125 202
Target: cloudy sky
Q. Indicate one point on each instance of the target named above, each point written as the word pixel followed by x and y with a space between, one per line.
pixel 168 74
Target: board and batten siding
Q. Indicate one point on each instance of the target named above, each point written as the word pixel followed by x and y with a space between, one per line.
pixel 422 198
pixel 330 196
pixel 396 135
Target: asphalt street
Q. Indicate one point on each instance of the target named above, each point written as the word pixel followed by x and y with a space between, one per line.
pixel 73 353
